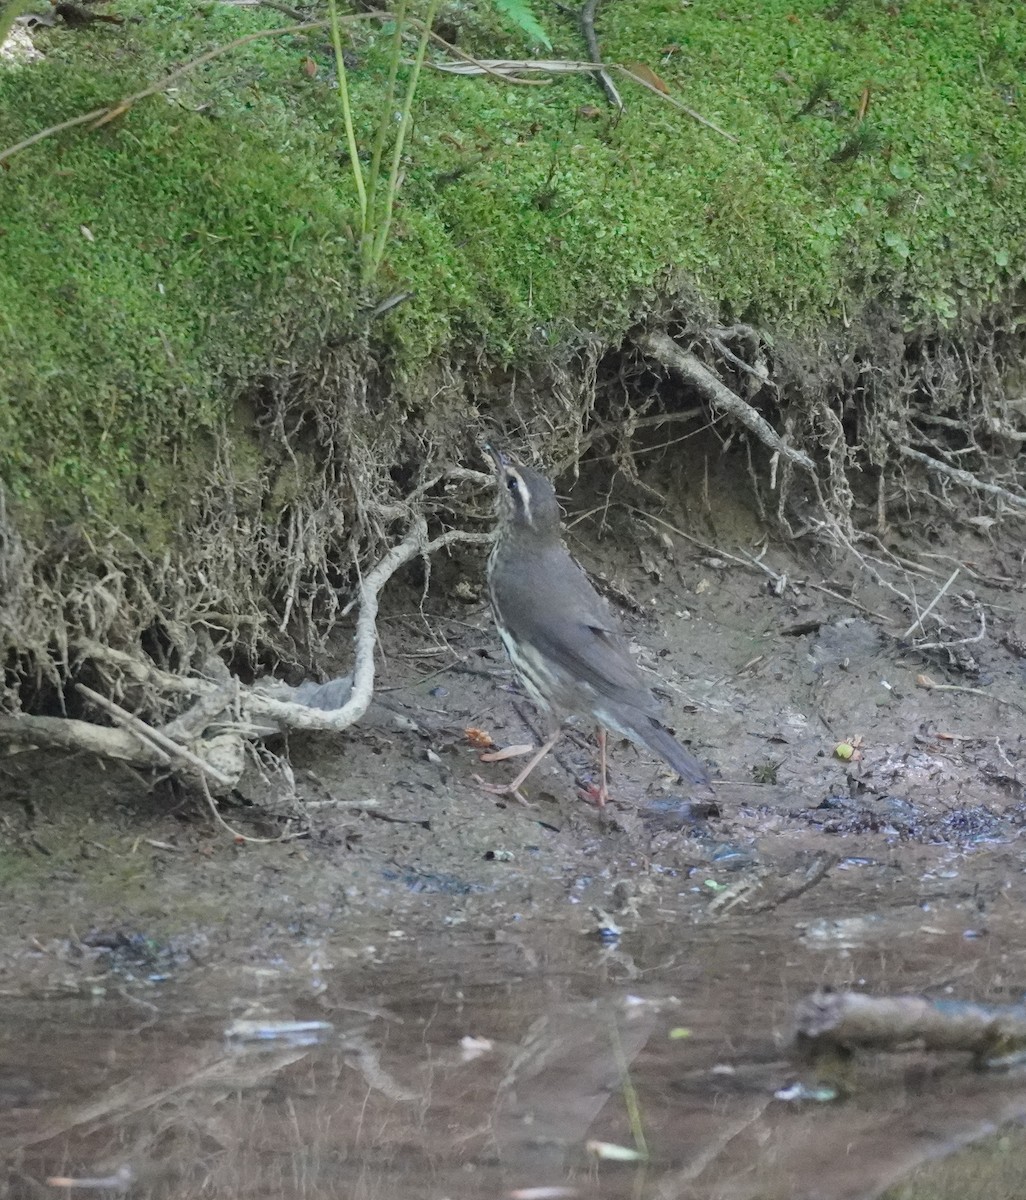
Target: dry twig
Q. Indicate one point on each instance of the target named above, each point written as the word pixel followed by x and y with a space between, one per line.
pixel 930 607
pixel 591 40
pixel 102 115
pixel 509 67
pixel 924 681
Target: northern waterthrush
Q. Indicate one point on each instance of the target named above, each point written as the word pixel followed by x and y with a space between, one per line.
pixel 561 636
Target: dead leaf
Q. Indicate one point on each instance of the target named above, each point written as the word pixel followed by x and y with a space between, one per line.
pixel 649 76
pixel 474 1047
pixel 924 681
pixel 589 112
pixel 613 1152
pixel 116 111
pixel 309 68
pixel 864 102
pixel 507 752
pixel 479 738
pixel 87 233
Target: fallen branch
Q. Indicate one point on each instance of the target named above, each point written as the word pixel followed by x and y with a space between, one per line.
pixel 694 372
pixel 852 1021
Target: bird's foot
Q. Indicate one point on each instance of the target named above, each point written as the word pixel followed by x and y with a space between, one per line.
pixel 592 794
pixel 503 789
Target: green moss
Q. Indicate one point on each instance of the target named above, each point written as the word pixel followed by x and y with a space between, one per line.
pixel 203 242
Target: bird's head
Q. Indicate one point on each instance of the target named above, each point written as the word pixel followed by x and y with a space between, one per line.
pixel 525 501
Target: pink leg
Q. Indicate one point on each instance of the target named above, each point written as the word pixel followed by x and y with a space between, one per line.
pixel 513 789
pixel 598 795
pixel 603 795
pixel 604 792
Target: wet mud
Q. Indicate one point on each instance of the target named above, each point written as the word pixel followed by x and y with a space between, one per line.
pixel 498 993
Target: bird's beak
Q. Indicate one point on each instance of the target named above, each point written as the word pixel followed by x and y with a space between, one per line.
pixel 498 457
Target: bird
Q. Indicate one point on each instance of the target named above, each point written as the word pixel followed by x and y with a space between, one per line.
pixel 562 638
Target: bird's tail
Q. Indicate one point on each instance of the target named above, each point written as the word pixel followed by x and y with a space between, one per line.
pixel 667 747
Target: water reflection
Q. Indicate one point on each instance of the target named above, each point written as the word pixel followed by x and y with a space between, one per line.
pixel 485 1067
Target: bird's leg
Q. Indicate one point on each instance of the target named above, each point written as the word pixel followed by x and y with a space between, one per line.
pixel 603 794
pixel 513 789
pixel 598 795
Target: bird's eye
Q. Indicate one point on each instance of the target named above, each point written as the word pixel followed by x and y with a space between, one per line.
pixel 512 482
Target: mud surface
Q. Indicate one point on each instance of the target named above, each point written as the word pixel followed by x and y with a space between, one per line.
pixel 624 973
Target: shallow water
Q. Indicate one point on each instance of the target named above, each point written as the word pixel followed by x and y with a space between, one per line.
pixel 488 1063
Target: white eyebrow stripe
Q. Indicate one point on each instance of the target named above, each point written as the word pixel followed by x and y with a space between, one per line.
pixel 525 496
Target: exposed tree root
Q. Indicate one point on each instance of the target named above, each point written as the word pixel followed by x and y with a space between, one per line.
pixel 965 478
pixel 269 562
pixel 226 713
pixel 694 372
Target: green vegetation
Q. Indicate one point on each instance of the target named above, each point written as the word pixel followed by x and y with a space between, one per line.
pixel 208 240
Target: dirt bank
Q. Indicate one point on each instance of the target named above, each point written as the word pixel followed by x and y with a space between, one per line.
pixel 768 666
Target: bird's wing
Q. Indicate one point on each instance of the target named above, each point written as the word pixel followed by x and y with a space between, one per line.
pixel 553 606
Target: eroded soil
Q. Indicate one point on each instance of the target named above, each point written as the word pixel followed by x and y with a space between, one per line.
pixel 419 910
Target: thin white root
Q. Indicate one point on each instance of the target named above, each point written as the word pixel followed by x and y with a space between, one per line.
pixel 694 372
pixel 976 638
pixel 298 716
pixel 920 617
pixel 237 835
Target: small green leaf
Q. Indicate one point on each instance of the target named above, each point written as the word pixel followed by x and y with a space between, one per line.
pixel 945 306
pixel 519 12
pixel 900 170
pixel 1002 258
pixel 678 1034
pixel 897 243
